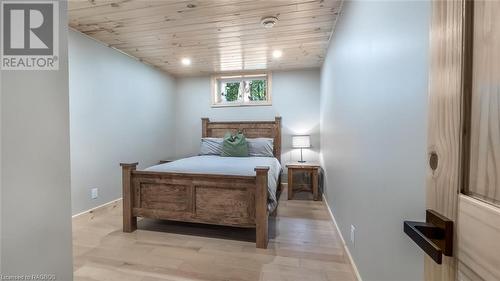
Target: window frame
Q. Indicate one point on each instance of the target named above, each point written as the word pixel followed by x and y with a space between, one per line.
pixel 240 76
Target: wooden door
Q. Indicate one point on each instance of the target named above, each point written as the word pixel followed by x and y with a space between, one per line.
pixel 464 136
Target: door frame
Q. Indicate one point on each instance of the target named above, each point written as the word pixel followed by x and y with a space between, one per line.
pixel 450 112
pixel 449 118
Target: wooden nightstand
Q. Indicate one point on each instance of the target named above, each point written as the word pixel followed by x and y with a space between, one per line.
pixel 312 168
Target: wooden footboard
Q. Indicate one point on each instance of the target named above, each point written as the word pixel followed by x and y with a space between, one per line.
pixel 213 199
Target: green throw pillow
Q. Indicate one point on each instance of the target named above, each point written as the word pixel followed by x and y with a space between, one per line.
pixel 234 145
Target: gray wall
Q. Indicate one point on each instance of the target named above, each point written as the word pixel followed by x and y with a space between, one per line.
pixel 373 125
pixel 1 169
pixel 121 111
pixel 36 210
pixel 295 97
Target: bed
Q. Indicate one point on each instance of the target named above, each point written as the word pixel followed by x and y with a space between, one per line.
pixel 231 191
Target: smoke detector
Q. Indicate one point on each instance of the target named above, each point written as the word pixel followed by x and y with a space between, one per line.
pixel 268 22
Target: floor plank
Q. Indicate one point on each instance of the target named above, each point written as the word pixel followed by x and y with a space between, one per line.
pixel 304 245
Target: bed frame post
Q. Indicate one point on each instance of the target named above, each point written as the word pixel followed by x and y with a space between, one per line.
pixel 261 213
pixel 204 127
pixel 129 221
pixel 277 138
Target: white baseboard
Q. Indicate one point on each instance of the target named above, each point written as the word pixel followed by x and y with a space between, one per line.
pixel 96 208
pixel 356 272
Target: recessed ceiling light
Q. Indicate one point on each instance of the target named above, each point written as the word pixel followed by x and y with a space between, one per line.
pixel 277 54
pixel 186 61
pixel 268 22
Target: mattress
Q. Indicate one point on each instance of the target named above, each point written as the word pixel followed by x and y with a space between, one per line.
pixel 235 166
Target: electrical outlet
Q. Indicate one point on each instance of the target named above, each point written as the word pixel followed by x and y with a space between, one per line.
pixel 94 193
pixel 353 236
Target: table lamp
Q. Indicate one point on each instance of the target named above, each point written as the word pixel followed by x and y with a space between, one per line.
pixel 303 141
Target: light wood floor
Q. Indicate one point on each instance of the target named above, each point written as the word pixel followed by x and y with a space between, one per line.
pixel 304 245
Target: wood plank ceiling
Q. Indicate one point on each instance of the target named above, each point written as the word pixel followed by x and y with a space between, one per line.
pixel 216 35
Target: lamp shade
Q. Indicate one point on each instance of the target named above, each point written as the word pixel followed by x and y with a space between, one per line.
pixel 301 141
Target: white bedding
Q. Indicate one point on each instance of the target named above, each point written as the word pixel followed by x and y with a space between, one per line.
pixel 237 166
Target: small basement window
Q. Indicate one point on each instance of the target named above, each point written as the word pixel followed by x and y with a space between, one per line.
pixel 241 90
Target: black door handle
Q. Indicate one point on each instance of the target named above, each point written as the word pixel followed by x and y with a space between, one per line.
pixel 434 236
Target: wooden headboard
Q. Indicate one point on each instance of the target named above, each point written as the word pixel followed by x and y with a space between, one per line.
pixel 251 129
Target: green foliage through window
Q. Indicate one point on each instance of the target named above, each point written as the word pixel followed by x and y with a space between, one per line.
pixel 235 90
pixel 232 91
pixel 257 90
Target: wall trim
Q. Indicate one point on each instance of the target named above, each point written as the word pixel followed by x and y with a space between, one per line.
pixel 356 271
pixel 340 13
pixel 97 208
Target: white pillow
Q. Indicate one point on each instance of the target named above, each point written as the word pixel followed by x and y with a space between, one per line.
pixel 211 146
pixel 260 147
